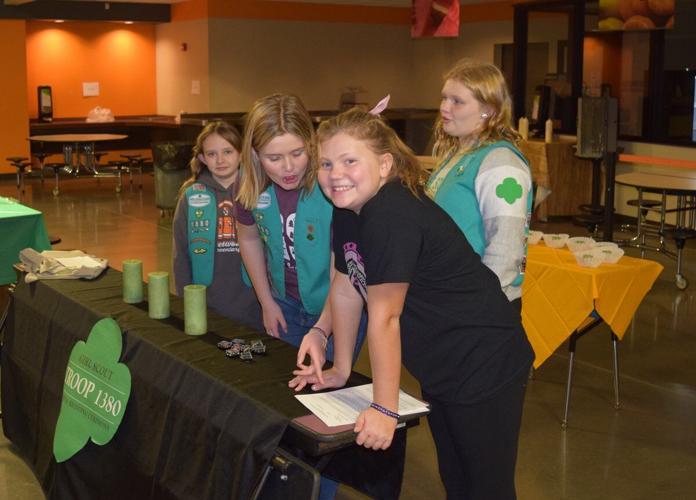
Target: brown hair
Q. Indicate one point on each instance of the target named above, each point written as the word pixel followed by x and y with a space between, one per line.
pixel 381 139
pixel 223 129
pixel 487 84
pixel 270 117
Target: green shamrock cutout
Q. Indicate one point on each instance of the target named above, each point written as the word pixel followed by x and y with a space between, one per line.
pixel 509 190
pixel 96 388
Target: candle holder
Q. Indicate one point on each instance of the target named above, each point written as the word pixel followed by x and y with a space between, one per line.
pixel 132 281
pixel 195 310
pixel 158 294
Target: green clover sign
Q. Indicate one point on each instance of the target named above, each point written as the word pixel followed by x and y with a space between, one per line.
pixel 509 190
pixel 96 388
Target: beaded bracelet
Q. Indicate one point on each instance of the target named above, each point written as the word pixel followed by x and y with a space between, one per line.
pixel 384 410
pixel 325 337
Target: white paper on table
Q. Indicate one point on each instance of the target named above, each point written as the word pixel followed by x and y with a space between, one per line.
pixel 342 407
pixel 78 262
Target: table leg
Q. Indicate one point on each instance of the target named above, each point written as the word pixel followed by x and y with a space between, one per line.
pixel 614 342
pixel 287 470
pixel 569 383
pixel 590 323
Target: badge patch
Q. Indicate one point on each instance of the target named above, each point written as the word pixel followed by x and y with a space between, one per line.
pixel 264 201
pixel 199 200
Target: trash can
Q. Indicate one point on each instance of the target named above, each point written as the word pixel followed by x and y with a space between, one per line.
pixel 170 160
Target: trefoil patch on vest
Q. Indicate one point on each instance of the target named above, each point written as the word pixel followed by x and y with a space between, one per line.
pixel 199 200
pixel 509 190
pixel 198 213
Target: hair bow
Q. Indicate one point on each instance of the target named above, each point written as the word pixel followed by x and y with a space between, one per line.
pixel 380 106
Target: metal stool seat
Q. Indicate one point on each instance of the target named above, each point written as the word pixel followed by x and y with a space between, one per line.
pixel 680 235
pixel 642 224
pixel 135 162
pixel 40 159
pixel 56 167
pixel 117 167
pixel 21 163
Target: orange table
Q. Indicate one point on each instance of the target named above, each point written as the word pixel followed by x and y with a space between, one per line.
pixel 562 301
pixel 558 295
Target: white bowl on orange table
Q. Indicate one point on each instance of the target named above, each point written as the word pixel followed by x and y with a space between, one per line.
pixel 555 240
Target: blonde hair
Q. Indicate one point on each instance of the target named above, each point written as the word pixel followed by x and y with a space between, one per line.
pixel 270 117
pixel 223 129
pixel 487 84
pixel 381 139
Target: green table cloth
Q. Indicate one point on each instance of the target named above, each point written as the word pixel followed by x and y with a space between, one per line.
pixel 20 227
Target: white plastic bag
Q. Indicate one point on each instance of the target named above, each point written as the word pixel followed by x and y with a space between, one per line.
pixel 100 115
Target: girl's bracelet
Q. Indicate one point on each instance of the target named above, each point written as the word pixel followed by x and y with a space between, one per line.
pixel 384 410
pixel 325 337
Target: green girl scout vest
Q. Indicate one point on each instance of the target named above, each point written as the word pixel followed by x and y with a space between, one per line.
pixel 202 216
pixel 457 196
pixel 312 245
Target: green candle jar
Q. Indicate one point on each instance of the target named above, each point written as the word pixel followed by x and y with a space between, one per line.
pixel 195 310
pixel 132 281
pixel 158 294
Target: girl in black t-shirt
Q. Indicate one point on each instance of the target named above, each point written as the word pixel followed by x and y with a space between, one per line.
pixel 431 304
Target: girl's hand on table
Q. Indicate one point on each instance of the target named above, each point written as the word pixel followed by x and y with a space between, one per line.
pixel 332 379
pixel 313 344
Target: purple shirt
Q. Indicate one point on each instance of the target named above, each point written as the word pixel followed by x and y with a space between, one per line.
pixel 287 203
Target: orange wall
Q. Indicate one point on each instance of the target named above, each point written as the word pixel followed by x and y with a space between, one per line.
pixel 602 62
pixel 14 125
pixel 120 57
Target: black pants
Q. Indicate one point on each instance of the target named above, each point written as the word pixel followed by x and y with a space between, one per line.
pixel 517 305
pixel 477 444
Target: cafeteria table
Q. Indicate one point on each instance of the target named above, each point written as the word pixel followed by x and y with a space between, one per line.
pixel 76 144
pixel 21 227
pixel 197 424
pixel 684 189
pixel 562 300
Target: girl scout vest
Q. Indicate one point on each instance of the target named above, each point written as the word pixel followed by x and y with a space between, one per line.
pixel 202 217
pixel 312 245
pixel 457 196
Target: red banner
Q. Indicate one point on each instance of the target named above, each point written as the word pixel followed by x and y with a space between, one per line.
pixel 435 18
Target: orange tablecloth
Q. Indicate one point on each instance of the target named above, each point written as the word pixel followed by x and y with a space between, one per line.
pixel 558 295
